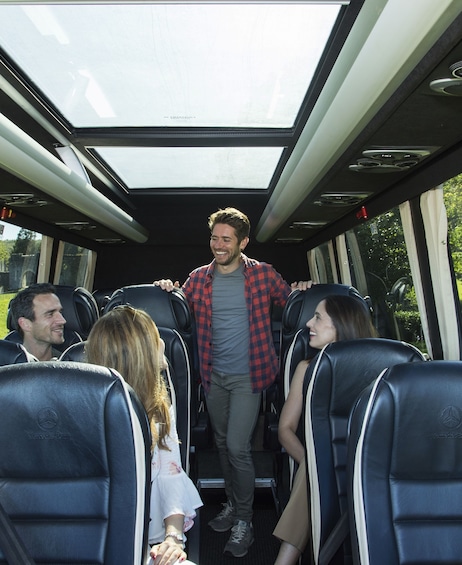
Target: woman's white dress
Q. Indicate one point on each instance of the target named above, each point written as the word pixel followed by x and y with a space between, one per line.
pixel 172 491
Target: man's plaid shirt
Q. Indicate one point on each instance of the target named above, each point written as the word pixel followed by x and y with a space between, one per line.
pixel 263 285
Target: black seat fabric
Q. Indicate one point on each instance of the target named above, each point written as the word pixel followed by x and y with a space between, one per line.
pixel 295 345
pixel 170 311
pixel 75 352
pixel 333 382
pixel 178 376
pixel 79 308
pixel 167 309
pixel 11 353
pixel 405 467
pixel 102 297
pixel 75 470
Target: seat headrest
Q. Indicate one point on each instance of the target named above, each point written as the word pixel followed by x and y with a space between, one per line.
pixel 300 308
pixel 75 352
pixel 12 353
pixel 79 309
pixel 353 364
pixel 167 309
pixel 301 305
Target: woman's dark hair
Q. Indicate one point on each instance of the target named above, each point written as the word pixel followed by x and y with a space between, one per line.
pixel 351 317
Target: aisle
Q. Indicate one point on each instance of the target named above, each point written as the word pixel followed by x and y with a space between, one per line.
pixel 265 548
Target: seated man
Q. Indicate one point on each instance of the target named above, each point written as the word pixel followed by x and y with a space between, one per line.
pixel 37 313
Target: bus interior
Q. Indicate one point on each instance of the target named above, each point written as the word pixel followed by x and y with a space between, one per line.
pixel 333 124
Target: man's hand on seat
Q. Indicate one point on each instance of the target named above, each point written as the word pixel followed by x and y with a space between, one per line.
pixel 302 285
pixel 166 284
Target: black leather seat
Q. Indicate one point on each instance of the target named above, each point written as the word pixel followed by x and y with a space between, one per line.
pixel 295 347
pixel 75 352
pixel 102 297
pixel 300 308
pixel 79 308
pixel 180 389
pixel 170 311
pixel 405 467
pixel 167 309
pixel 11 353
pixel 333 382
pixel 75 472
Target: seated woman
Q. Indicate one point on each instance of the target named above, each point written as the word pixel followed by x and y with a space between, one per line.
pixel 128 340
pixel 336 318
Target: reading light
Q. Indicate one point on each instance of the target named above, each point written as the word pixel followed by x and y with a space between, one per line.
pixel 308 225
pixel 341 198
pixel 21 199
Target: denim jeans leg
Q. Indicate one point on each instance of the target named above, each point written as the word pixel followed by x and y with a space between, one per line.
pixel 234 410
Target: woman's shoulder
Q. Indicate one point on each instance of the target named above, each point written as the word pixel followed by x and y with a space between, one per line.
pixel 302 365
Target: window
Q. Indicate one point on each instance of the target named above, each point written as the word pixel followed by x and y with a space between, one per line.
pixel 452 194
pixel 73 265
pixel 387 273
pixel 19 265
pixel 180 69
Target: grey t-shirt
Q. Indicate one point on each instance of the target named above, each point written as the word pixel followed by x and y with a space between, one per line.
pixel 230 323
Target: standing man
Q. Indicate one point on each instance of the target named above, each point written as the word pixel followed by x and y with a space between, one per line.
pixel 231 299
pixel 37 313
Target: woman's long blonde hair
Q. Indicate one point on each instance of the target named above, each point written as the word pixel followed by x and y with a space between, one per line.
pixel 127 339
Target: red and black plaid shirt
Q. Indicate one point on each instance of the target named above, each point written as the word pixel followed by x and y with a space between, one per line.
pixel 263 285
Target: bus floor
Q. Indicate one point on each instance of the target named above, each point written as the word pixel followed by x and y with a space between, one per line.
pixel 265 547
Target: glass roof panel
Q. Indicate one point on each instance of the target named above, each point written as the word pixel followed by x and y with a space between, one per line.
pixel 170 64
pixel 193 167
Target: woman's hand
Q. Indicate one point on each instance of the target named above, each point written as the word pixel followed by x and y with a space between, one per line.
pixel 168 552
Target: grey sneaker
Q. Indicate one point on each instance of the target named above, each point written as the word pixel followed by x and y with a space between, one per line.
pixel 241 539
pixel 224 521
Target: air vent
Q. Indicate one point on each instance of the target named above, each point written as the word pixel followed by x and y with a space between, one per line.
pixel 451 86
pixel 290 240
pixel 109 240
pixel 456 69
pixel 339 199
pixel 76 226
pixel 390 159
pixel 396 156
pixel 18 200
pixel 448 86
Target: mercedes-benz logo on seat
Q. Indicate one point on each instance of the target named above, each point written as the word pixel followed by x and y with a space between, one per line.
pixel 450 417
pixel 47 419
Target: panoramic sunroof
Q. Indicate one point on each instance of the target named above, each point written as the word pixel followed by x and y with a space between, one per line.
pixel 173 65
pixel 193 167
